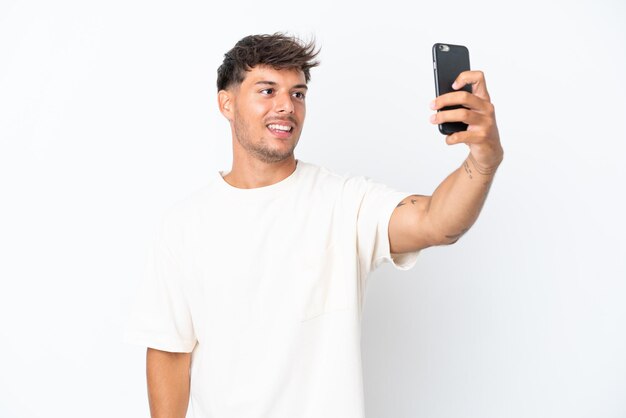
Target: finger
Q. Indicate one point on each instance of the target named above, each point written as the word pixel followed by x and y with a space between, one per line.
pixel 457 115
pixel 464 98
pixel 467 137
pixel 476 79
pixel 456 138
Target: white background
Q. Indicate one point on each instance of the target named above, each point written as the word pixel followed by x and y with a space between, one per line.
pixel 108 114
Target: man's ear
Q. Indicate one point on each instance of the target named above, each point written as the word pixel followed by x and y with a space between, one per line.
pixel 225 103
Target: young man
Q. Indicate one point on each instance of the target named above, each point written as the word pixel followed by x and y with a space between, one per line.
pixel 253 294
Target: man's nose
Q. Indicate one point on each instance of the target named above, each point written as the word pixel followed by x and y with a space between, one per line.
pixel 284 103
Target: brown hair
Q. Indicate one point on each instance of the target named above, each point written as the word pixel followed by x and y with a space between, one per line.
pixel 278 51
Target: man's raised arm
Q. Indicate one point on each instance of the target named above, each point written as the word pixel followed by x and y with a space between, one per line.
pixel 457 202
pixel 441 219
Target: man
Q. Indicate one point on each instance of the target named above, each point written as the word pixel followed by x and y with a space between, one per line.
pixel 253 294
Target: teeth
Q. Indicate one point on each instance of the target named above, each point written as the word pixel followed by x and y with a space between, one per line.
pixel 279 127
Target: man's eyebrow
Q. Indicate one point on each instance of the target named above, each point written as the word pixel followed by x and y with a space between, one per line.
pixel 273 83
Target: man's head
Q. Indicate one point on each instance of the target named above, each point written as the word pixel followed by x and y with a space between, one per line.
pixel 262 85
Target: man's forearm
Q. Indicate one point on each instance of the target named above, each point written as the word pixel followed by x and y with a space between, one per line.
pixel 458 200
pixel 168 383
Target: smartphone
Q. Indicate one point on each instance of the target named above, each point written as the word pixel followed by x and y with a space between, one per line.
pixel 448 62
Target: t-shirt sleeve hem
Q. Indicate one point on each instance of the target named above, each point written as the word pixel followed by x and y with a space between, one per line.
pixel 160 342
pixel 404 261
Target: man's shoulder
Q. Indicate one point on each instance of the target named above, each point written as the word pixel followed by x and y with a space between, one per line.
pixel 189 203
pixel 348 183
pixel 314 170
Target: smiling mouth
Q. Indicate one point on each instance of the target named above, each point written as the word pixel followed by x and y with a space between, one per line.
pixel 280 131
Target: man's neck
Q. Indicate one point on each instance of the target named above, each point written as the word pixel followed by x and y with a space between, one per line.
pixel 254 175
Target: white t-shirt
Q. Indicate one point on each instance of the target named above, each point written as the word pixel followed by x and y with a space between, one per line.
pixel 265 288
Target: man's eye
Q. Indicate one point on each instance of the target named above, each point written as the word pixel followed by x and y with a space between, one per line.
pixel 267 90
pixel 301 95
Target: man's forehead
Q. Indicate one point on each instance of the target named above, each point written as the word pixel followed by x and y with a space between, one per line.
pixel 273 76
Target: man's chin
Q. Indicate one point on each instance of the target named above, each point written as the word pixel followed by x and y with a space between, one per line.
pixel 274 154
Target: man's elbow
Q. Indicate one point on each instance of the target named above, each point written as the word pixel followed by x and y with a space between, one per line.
pixel 450 238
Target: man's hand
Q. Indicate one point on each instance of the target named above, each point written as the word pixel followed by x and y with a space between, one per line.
pixel 482 135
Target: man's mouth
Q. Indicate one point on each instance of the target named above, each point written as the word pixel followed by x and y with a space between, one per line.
pixel 279 130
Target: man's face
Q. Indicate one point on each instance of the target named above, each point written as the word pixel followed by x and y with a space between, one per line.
pixel 269 110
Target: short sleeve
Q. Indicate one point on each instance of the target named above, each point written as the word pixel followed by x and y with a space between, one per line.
pixel 378 202
pixel 160 317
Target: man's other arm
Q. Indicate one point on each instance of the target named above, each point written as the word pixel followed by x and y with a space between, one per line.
pixel 168 383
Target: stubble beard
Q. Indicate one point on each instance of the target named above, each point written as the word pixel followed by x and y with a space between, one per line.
pixel 258 149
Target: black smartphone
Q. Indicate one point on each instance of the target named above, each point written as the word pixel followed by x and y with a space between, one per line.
pixel 448 62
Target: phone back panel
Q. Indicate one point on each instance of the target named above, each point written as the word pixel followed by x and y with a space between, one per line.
pixel 447 65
